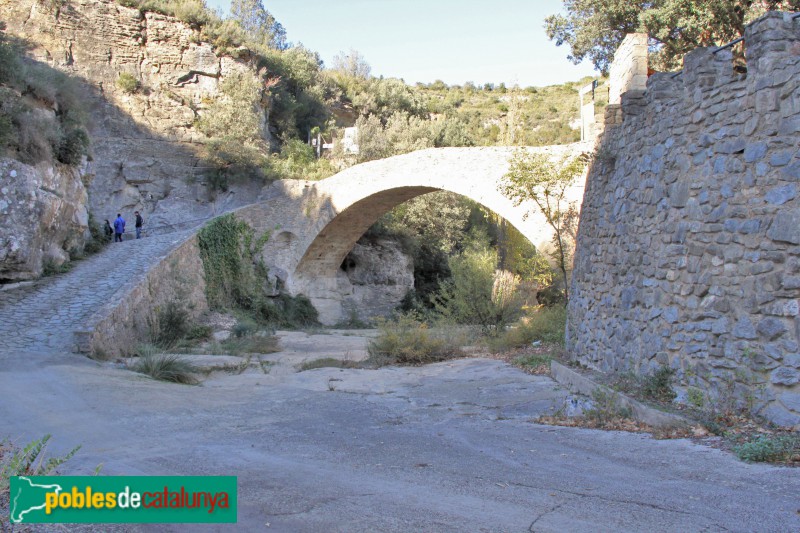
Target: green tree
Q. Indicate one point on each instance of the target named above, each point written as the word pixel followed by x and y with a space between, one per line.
pixel 259 24
pixel 478 293
pixel 593 29
pixel 535 177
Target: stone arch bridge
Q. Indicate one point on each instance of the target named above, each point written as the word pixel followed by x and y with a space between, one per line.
pixel 312 227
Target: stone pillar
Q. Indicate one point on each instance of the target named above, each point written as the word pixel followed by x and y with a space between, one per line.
pixel 628 71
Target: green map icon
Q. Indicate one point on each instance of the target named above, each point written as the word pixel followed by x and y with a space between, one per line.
pixel 27 498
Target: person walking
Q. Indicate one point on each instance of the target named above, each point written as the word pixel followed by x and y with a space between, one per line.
pixel 119 228
pixel 108 230
pixel 139 224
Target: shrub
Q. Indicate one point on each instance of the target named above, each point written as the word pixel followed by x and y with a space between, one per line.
pixel 198 332
pixel 298 311
pixel 409 341
pixel 167 367
pixel 478 294
pixel 228 263
pixel 244 328
pixel 73 146
pixel 98 239
pixel 6 129
pixel 606 409
pixel 658 386
pixel 545 324
pixel 171 325
pixel 127 83
pixel 770 449
pixel 253 344
pixel 51 268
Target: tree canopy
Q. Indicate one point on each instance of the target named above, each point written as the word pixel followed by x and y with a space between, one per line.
pixel 259 24
pixel 593 29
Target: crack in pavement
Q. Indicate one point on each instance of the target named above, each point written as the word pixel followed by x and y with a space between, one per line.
pixel 611 500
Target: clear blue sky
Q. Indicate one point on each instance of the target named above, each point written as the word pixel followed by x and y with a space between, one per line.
pixel 424 40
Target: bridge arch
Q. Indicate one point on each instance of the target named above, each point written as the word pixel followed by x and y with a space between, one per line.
pixel 344 206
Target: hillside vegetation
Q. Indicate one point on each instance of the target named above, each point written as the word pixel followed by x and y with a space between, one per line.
pixel 42 117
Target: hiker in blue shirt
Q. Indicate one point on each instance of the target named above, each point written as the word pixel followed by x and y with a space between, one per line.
pixel 119 228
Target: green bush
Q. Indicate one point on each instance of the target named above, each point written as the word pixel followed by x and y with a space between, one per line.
pixel 770 449
pixel 7 130
pixel 199 333
pixel 171 324
pixel 74 145
pixel 409 341
pixel 477 294
pixel 228 263
pixel 543 324
pixel 127 83
pixel 167 367
pixel 658 386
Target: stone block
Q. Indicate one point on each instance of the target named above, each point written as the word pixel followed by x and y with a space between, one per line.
pixel 744 329
pixel 771 328
pixel 781 195
pixel 791 172
pixel 791 400
pixel 785 376
pixel 785 226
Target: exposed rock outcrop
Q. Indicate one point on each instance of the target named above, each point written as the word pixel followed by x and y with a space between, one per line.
pixel 144 146
pixel 375 277
pixel 44 215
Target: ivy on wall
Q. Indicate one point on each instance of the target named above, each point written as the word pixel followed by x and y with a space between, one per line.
pixel 228 261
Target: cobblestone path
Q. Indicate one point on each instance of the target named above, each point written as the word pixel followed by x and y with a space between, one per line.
pixel 43 315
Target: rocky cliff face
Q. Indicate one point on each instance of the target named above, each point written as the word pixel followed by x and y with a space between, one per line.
pixel 44 215
pixel 144 146
pixel 375 277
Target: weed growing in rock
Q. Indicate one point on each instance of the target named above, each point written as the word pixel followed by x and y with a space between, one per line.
pixel 127 83
pixel 535 363
pixel 328 362
pixel 606 409
pixel 51 268
pixel 167 367
pixel 251 344
pixel 28 461
pixel 658 386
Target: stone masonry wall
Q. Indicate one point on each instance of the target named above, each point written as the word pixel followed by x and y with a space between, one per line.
pixel 121 324
pixel 629 69
pixel 688 250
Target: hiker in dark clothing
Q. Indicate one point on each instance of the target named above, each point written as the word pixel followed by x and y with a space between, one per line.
pixel 139 224
pixel 108 230
pixel 119 228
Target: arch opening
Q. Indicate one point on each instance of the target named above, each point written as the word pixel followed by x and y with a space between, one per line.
pixel 322 273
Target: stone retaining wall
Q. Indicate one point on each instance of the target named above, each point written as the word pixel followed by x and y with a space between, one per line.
pixel 688 250
pixel 120 325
